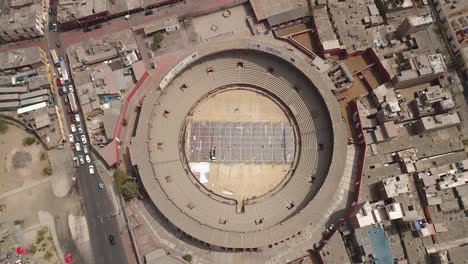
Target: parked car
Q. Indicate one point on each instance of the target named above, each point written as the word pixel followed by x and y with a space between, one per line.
pixel 54 27
pixel 73 128
pixel 81 159
pixel 111 240
pixel 77 118
pixel 71 138
pixel 77 146
pixel 85 149
pixel 75 162
pixel 148 12
pixel 87 29
pixel 97 26
pixel 60 92
pixel 72 119
pixel 70 88
pixel 88 159
pixel 57 43
pixel 65 100
pixel 80 129
pixel 83 139
pixel 69 109
pixel 51 2
pixel 91 169
pixel 101 186
pixel 58 82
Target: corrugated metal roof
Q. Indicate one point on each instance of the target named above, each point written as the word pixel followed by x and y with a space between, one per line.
pixel 288 16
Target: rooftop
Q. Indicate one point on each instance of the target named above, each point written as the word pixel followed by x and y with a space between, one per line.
pixel 69 10
pixel 265 8
pixel 421 19
pixel 19 58
pixel 20 18
pixel 443 120
pixel 394 186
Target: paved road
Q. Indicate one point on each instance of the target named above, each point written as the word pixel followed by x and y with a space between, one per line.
pixel 99 208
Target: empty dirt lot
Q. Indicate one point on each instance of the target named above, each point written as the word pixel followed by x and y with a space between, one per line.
pixel 19 164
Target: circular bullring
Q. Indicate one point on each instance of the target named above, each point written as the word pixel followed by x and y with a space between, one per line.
pixel 299 199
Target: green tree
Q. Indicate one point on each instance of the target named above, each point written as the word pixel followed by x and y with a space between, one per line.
pixel 158 37
pixel 130 190
pixel 3 126
pixel 120 178
pixel 27 141
pixel 187 257
pixel 47 171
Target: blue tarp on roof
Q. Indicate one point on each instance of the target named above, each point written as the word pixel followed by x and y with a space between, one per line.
pixel 382 251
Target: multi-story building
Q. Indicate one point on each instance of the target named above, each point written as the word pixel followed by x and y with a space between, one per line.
pixel 452 16
pixel 415 70
pixel 414 24
pixel 24 23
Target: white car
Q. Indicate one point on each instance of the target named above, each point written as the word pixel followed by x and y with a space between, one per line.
pixel 77 118
pixel 85 149
pixel 78 146
pixel 73 128
pixel 91 169
pixel 76 163
pixel 54 27
pixel 107 62
pixel 80 129
pixel 71 138
pixel 70 88
pixel 81 159
pixel 59 70
pixel 83 139
pixel 88 159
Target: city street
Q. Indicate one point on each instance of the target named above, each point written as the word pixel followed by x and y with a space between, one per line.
pixel 101 212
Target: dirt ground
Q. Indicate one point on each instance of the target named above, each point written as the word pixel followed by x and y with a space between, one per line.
pixel 19 164
pixel 239 106
pixel 243 181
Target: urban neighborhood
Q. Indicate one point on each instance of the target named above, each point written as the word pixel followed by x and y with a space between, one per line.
pixel 233 131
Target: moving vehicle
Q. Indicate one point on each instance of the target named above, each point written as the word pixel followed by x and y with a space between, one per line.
pixel 83 139
pixel 88 159
pixel 71 138
pixel 111 240
pixel 91 169
pixel 77 146
pixel 57 43
pixel 101 186
pixel 55 59
pixel 73 128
